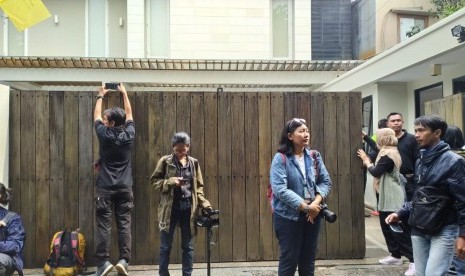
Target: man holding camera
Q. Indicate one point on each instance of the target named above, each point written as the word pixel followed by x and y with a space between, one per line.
pixel 116 134
pixel 178 178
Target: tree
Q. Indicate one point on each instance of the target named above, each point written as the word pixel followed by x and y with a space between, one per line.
pixel 445 8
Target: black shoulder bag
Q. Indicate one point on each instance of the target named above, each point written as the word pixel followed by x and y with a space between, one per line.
pixel 430 208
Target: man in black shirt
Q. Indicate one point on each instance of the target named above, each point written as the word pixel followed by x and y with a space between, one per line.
pixel 408 149
pixel 116 133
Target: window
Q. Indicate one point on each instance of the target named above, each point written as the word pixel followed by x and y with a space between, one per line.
pixel 458 85
pixel 409 24
pixel 96 9
pixel 282 28
pixel 367 113
pixel 13 41
pixel 158 28
pixel 425 94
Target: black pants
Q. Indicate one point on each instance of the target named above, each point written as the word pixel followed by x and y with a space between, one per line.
pixel 398 244
pixel 121 200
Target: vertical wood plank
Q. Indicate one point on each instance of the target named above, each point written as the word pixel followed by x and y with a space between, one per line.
pixel 42 173
pixel 197 150
pixel 183 114
pixel 155 146
pixel 277 120
pixel 224 180
pixel 331 148
pixel 211 166
pixel 343 206
pixel 238 191
pixel 57 158
pixel 28 173
pixel 15 150
pixel 265 150
pixel 357 187
pixel 86 159
pixel 253 194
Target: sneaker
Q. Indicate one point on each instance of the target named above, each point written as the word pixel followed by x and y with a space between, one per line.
pixel 122 267
pixel 104 269
pixel 452 271
pixel 411 270
pixel 389 260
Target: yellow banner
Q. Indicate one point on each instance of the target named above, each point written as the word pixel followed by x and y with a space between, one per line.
pixel 24 13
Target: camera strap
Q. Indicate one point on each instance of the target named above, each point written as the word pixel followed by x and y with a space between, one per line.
pixel 315 171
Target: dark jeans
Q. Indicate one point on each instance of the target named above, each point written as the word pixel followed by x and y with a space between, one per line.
pixel 297 244
pixel 121 200
pixel 6 265
pixel 398 244
pixel 166 240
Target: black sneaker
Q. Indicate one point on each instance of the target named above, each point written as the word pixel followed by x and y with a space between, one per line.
pixel 452 271
pixel 122 267
pixel 104 269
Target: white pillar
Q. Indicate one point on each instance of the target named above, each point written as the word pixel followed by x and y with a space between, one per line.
pixel 4 133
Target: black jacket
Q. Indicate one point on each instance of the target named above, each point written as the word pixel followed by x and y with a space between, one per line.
pixel 439 166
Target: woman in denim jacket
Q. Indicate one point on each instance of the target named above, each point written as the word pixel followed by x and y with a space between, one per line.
pixel 296 199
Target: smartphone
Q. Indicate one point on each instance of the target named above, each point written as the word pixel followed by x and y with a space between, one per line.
pixel 111 85
pixel 184 181
pixel 396 227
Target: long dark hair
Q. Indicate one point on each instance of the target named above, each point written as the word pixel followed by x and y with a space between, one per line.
pixel 286 146
pixel 454 138
pixel 5 194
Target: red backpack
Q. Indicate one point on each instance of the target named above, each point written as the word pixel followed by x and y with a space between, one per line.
pixel 269 190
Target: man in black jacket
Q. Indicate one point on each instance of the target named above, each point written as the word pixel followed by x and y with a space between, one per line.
pixel 440 167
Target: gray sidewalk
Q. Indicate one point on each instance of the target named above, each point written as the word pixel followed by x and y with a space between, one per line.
pixel 375 249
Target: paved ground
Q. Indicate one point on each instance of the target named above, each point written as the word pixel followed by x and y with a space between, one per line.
pixel 376 249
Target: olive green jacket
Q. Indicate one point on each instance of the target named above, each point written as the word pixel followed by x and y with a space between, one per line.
pixel 160 180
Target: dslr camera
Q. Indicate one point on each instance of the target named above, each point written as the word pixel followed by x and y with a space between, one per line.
pixel 325 213
pixel 208 218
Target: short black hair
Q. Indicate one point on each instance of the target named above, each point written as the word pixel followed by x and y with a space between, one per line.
pixel 433 122
pixel 454 137
pixel 180 138
pixel 392 114
pixel 5 194
pixel 117 115
pixel 382 123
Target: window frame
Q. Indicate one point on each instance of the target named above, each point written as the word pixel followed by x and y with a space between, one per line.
pixel 423 89
pixel 291 31
pixel 412 16
pixel 148 4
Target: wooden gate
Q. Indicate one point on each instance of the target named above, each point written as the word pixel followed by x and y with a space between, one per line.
pixel 234 136
pixel 451 108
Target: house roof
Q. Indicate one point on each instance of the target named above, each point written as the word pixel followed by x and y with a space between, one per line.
pixel 410 60
pixel 68 73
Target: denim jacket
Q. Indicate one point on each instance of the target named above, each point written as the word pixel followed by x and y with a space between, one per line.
pixel 287 183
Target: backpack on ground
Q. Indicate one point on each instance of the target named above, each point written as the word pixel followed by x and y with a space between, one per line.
pixel 269 190
pixel 66 254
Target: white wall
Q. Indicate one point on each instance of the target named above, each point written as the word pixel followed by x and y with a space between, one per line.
pixel 303 34
pixel 4 114
pixel 136 28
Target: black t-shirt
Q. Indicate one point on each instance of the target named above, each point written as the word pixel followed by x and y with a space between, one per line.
pixel 409 152
pixel 116 145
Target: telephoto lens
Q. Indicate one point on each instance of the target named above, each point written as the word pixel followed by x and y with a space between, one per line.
pixel 328 215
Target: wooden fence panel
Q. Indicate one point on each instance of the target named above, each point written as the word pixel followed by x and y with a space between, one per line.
pixel 234 136
pixel 450 108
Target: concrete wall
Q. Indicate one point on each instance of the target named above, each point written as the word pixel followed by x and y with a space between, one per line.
pixel 4 134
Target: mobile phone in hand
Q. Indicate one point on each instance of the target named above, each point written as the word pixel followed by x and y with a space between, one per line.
pixel 111 85
pixel 396 227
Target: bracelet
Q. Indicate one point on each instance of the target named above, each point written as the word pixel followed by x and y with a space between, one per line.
pixel 99 97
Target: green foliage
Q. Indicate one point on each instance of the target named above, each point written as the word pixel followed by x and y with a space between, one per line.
pixel 445 8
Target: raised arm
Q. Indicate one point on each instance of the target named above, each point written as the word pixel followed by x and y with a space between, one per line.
pixel 98 105
pixel 127 104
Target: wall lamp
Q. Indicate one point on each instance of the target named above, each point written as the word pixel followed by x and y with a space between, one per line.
pixel 459 32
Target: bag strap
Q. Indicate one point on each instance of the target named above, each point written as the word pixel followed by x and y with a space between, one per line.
pixel 56 249
pixel 74 246
pixel 315 163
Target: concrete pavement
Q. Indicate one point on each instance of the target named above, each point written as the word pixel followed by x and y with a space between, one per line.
pixel 375 249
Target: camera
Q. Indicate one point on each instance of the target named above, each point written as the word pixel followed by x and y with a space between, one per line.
pixel 208 218
pixel 111 85
pixel 328 215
